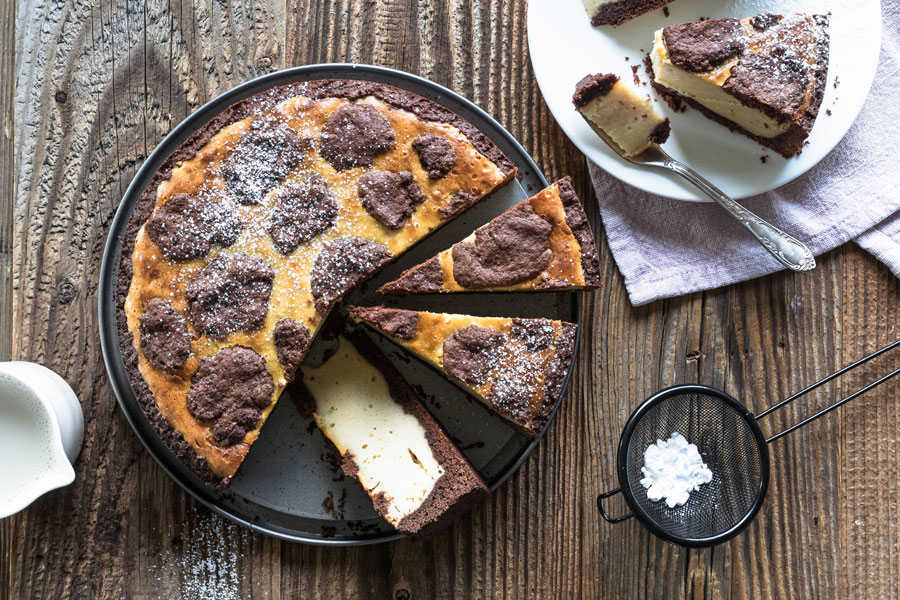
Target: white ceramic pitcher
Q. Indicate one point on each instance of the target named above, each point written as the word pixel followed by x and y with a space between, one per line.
pixel 41 430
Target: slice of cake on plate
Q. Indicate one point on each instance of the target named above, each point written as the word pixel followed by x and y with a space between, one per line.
pixel 417 479
pixel 619 113
pixel 542 243
pixel 516 367
pixel 763 76
pixel 616 12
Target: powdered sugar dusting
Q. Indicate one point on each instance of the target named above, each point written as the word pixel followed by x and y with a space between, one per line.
pixel 210 564
pixel 517 378
pixel 509 369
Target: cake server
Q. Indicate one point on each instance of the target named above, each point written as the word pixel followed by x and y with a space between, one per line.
pixel 787 249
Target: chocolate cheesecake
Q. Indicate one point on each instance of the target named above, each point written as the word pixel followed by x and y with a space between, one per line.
pixel 763 76
pixel 617 12
pixel 619 113
pixel 256 226
pixel 516 367
pixel 542 243
pixel 417 479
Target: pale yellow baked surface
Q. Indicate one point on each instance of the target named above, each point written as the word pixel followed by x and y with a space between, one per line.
pixel 433 329
pixel 155 276
pixel 565 257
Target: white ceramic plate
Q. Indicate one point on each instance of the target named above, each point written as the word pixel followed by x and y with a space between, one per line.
pixel 564 48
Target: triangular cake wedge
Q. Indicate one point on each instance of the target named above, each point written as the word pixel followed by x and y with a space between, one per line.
pixel 516 367
pixel 254 228
pixel 763 76
pixel 416 477
pixel 542 243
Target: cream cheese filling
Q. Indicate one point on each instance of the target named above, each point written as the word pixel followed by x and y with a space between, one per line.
pixel 627 118
pixel 705 88
pixel 354 410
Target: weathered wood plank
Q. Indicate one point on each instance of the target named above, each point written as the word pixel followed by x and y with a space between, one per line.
pixel 7 177
pixel 98 86
pixel 7 193
pixel 870 448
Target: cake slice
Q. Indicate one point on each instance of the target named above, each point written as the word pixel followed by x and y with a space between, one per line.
pixel 542 243
pixel 616 12
pixel 417 479
pixel 620 114
pixel 763 76
pixel 517 367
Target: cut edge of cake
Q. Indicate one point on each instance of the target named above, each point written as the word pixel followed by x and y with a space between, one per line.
pixel 618 12
pixel 455 485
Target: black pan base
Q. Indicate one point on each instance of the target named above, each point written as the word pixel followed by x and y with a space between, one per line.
pixel 284 486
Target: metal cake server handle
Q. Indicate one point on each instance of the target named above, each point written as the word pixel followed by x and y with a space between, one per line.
pixel 787 249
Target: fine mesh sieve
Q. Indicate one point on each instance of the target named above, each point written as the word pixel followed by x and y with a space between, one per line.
pixel 732 445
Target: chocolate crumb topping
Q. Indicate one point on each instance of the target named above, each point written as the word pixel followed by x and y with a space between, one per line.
pixel 342 264
pixel 704 45
pixel 353 135
pixel 591 87
pixel 266 100
pixel 231 388
pixel 302 212
pixel 514 385
pixel 536 333
pixel 470 353
pixel 427 277
pixel 581 229
pixel 264 155
pixel 292 341
pixel 234 424
pixel 622 11
pixel 165 340
pixel 661 132
pixel 459 202
pixel 391 198
pixel 436 154
pixel 186 226
pixel 513 247
pixel 777 83
pixel 230 294
pixel 395 322
pixel 763 22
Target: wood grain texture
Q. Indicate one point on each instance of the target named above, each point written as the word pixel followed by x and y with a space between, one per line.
pixel 7 193
pixel 98 85
pixel 7 181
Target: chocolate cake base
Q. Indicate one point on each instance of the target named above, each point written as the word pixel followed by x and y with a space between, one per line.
pixel 621 12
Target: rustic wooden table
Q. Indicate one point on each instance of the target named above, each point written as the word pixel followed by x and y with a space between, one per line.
pixel 88 91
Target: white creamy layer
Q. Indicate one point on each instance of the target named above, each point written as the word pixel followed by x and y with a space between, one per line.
pixel 626 117
pixel 706 89
pixel 356 412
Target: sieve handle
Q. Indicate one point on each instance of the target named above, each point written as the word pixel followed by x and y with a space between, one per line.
pixel 823 382
pixel 603 512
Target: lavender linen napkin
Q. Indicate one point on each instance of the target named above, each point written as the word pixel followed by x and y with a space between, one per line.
pixel 666 248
